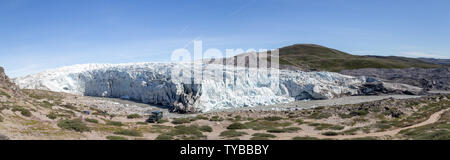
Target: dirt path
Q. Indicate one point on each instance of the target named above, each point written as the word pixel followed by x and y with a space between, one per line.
pixel 433 119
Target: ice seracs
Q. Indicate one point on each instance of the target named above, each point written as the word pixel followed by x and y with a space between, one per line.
pixel 155 83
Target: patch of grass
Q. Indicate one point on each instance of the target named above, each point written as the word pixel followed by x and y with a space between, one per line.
pixel 236 126
pixel 4 94
pixel 1 118
pixel 116 138
pixel 134 116
pixel 232 133
pixel 200 117
pixel 362 112
pixel 299 121
pixel 276 130
pixel 259 138
pixel 91 120
pixel 345 116
pixel 216 119
pixel 52 115
pixel 126 132
pixel 192 132
pixel 164 137
pixel 238 118
pixel 25 112
pixel 75 125
pixel 265 125
pixel 330 133
pixel 46 104
pixel 163 121
pixel 266 135
pixel 205 129
pixel 325 126
pixel 115 123
pixel 181 120
pixel 55 115
pixel 70 106
pixel 305 138
pixel 351 131
pixel 284 130
pixel 141 123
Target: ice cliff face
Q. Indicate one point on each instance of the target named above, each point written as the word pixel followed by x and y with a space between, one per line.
pixel 154 83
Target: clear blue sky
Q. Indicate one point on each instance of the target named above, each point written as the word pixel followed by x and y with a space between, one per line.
pixel 41 34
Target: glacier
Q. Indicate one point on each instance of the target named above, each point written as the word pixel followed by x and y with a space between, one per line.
pixel 220 86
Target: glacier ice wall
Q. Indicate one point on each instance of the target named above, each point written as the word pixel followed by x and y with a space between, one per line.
pixel 218 87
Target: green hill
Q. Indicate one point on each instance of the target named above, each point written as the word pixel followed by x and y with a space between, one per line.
pixel 316 57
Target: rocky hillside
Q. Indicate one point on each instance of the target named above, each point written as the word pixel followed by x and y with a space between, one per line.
pixel 429 79
pixel 315 57
pixel 311 57
pixel 7 88
pixel 445 62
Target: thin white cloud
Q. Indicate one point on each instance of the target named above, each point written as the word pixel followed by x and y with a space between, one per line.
pixel 423 55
